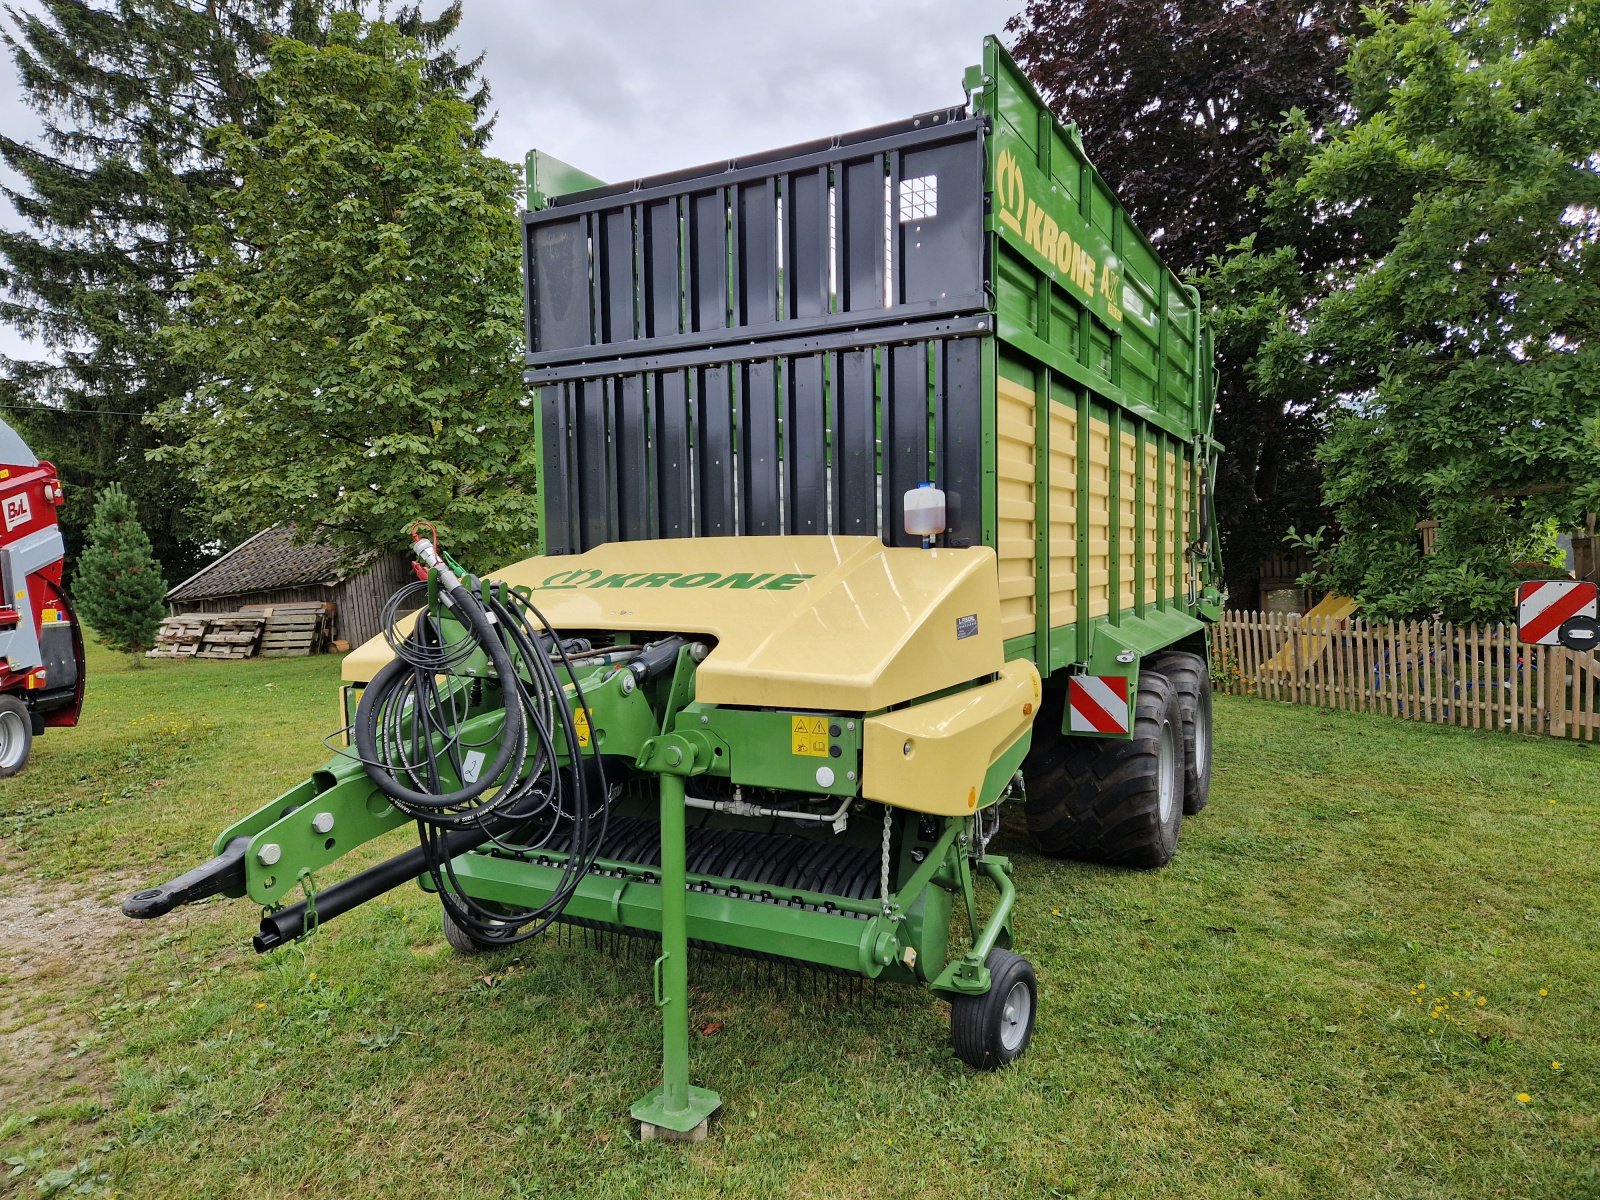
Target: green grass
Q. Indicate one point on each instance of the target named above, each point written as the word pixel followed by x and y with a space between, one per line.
pixel 1244 1023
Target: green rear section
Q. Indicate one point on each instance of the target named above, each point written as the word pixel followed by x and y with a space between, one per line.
pixel 1099 390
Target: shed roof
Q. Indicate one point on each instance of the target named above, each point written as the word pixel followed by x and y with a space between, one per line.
pixel 271 559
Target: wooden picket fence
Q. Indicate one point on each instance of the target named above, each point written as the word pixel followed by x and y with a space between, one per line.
pixel 1477 677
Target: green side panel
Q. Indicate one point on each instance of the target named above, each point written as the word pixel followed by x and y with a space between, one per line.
pixel 1072 270
pixel 548 177
pixel 1087 316
pixel 813 753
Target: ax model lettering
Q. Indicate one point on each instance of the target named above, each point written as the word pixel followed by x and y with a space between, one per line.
pixel 590 577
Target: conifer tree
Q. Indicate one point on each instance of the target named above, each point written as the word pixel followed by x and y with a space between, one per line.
pixel 119 585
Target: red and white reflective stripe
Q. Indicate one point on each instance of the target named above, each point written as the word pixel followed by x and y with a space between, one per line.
pixel 1544 605
pixel 1098 703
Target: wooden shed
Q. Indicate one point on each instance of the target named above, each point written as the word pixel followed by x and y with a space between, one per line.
pixel 270 568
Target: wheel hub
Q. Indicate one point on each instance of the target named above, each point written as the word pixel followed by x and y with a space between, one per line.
pixel 13 736
pixel 1167 759
pixel 1014 1015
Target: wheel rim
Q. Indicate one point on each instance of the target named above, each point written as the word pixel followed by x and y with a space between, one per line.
pixel 1014 1014
pixel 1167 772
pixel 1202 739
pixel 13 737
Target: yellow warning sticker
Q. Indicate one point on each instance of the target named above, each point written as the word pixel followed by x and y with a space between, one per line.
pixel 580 719
pixel 808 736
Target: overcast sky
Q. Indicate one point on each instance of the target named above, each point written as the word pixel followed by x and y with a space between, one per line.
pixel 624 88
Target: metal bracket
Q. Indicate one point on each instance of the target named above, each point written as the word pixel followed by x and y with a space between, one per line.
pixel 968 976
pixel 685 753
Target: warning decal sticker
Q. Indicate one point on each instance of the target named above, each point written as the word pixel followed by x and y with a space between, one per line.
pixel 580 718
pixel 808 736
pixel 1544 605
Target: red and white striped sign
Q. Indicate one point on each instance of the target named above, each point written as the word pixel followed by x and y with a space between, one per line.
pixel 1544 605
pixel 1098 703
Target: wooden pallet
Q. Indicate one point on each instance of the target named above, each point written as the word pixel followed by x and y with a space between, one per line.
pixel 209 635
pixel 294 629
pixel 271 630
pixel 179 637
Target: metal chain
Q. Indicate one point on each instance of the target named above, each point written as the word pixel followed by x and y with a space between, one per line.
pixel 883 881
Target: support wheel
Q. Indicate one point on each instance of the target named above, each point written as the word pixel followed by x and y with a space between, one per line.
pixel 16 735
pixel 1191 679
pixel 1112 800
pixel 993 1029
pixel 464 941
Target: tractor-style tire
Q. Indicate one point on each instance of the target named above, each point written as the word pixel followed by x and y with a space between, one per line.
pixel 16 735
pixel 1111 800
pixel 993 1029
pixel 1188 674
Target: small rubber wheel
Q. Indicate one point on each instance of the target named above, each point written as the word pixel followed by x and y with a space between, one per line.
pixel 1191 680
pixel 993 1029
pixel 462 940
pixel 16 735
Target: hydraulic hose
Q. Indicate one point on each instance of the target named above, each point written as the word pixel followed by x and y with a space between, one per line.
pixel 408 724
pixel 426 805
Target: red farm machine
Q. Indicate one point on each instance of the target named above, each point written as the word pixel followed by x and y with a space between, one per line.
pixel 41 647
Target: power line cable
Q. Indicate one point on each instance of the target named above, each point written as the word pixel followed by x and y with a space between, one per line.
pixel 99 412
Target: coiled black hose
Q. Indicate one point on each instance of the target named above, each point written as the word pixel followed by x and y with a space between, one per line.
pixel 521 799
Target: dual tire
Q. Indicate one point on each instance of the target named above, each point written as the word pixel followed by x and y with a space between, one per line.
pixel 1121 801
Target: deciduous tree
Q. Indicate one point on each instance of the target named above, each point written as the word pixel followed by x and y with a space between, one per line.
pixel 110 197
pixel 1177 104
pixel 358 312
pixel 1460 351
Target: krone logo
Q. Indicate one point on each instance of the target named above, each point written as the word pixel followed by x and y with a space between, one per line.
pixel 1010 190
pixel 1053 241
pixel 572 579
pixel 740 581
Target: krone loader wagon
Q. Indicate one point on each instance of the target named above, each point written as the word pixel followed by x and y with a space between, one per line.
pixel 873 475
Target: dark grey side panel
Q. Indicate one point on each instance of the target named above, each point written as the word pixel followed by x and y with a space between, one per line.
pixel 786 345
pixel 805 443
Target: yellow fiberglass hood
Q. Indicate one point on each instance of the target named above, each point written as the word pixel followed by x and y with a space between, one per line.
pixel 841 624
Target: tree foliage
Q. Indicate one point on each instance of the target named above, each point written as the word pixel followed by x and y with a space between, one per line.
pixel 1177 104
pixel 359 312
pixel 119 588
pixel 112 195
pixel 1458 343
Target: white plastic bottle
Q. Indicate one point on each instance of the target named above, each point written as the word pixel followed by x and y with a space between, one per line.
pixel 924 505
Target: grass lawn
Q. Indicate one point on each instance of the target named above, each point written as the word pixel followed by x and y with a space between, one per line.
pixel 1356 980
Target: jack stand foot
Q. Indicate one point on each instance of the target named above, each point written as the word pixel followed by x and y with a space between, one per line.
pixel 687 1124
pixel 649 1132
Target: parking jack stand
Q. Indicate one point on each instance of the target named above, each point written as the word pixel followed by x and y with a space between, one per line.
pixel 674 1111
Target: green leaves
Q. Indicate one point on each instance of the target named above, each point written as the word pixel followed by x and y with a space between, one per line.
pixel 1454 348
pixel 363 323
pixel 117 199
